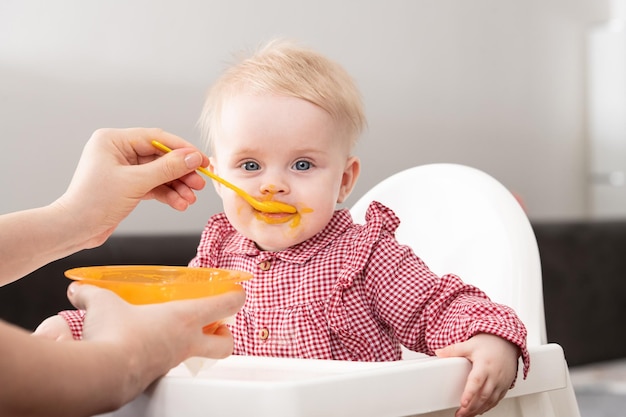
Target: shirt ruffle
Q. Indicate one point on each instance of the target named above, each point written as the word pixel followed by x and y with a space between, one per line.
pixel 380 221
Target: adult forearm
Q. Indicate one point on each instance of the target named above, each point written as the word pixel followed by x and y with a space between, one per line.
pixel 47 378
pixel 32 238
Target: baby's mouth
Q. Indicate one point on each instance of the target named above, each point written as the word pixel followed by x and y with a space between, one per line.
pixel 268 205
pixel 274 218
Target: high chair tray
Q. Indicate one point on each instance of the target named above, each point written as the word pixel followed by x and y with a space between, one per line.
pixel 279 387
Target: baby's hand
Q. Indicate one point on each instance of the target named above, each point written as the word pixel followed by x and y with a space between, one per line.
pixel 55 328
pixel 494 367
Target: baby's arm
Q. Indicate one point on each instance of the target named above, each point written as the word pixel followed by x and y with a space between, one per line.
pixel 67 325
pixel 451 318
pixel 494 368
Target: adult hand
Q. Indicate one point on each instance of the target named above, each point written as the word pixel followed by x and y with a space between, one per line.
pixel 151 339
pixel 119 168
pixel 124 349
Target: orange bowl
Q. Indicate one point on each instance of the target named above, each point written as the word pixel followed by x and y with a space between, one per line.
pixel 149 284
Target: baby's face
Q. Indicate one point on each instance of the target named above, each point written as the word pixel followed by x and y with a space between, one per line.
pixel 284 149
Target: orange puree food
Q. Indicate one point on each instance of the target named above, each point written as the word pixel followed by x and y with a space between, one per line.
pixel 271 218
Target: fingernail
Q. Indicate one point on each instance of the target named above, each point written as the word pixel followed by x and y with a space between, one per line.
pixel 193 160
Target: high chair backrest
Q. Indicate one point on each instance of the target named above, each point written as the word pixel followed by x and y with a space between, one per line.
pixel 460 220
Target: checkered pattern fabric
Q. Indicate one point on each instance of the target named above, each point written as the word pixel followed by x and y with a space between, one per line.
pixel 351 292
pixel 74 319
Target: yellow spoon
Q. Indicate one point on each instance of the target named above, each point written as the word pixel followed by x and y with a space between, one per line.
pixel 264 206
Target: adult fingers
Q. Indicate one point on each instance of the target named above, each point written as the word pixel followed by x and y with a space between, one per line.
pixel 217 345
pixel 82 295
pixel 212 309
pixel 141 140
pixel 171 166
pixel 176 194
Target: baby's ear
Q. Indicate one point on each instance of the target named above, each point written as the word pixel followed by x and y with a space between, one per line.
pixel 348 180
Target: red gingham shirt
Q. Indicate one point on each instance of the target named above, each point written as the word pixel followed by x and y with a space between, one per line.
pixel 351 292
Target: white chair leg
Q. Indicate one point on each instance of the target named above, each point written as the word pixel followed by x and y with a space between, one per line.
pixel 564 400
pixel 536 405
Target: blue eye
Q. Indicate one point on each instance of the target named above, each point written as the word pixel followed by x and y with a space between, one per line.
pixel 302 165
pixel 251 166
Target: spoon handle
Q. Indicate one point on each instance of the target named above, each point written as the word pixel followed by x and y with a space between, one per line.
pixel 205 171
pixel 266 206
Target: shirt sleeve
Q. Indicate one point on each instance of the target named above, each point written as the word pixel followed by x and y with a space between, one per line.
pixel 427 312
pixel 75 320
pixel 216 229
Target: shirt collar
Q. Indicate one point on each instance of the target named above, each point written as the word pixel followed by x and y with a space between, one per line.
pixel 302 252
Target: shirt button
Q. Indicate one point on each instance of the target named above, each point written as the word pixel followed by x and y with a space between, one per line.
pixel 264 334
pixel 265 265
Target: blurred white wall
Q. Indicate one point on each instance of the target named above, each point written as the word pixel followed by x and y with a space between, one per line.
pixel 495 84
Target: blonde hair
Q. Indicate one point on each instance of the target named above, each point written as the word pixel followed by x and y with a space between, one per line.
pixel 282 67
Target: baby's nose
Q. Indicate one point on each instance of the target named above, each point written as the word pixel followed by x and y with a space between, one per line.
pixel 274 188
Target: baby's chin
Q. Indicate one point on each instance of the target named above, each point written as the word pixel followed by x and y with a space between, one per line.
pixel 278 245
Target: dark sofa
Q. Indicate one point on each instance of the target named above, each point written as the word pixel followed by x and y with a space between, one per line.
pixel 42 293
pixel 584 284
pixel 583 268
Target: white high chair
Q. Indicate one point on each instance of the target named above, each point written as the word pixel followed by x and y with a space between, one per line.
pixel 458 220
pixel 461 220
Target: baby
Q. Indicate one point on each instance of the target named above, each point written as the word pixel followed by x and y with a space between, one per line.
pixel 282 124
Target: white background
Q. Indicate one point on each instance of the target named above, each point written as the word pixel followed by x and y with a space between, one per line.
pixel 495 84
